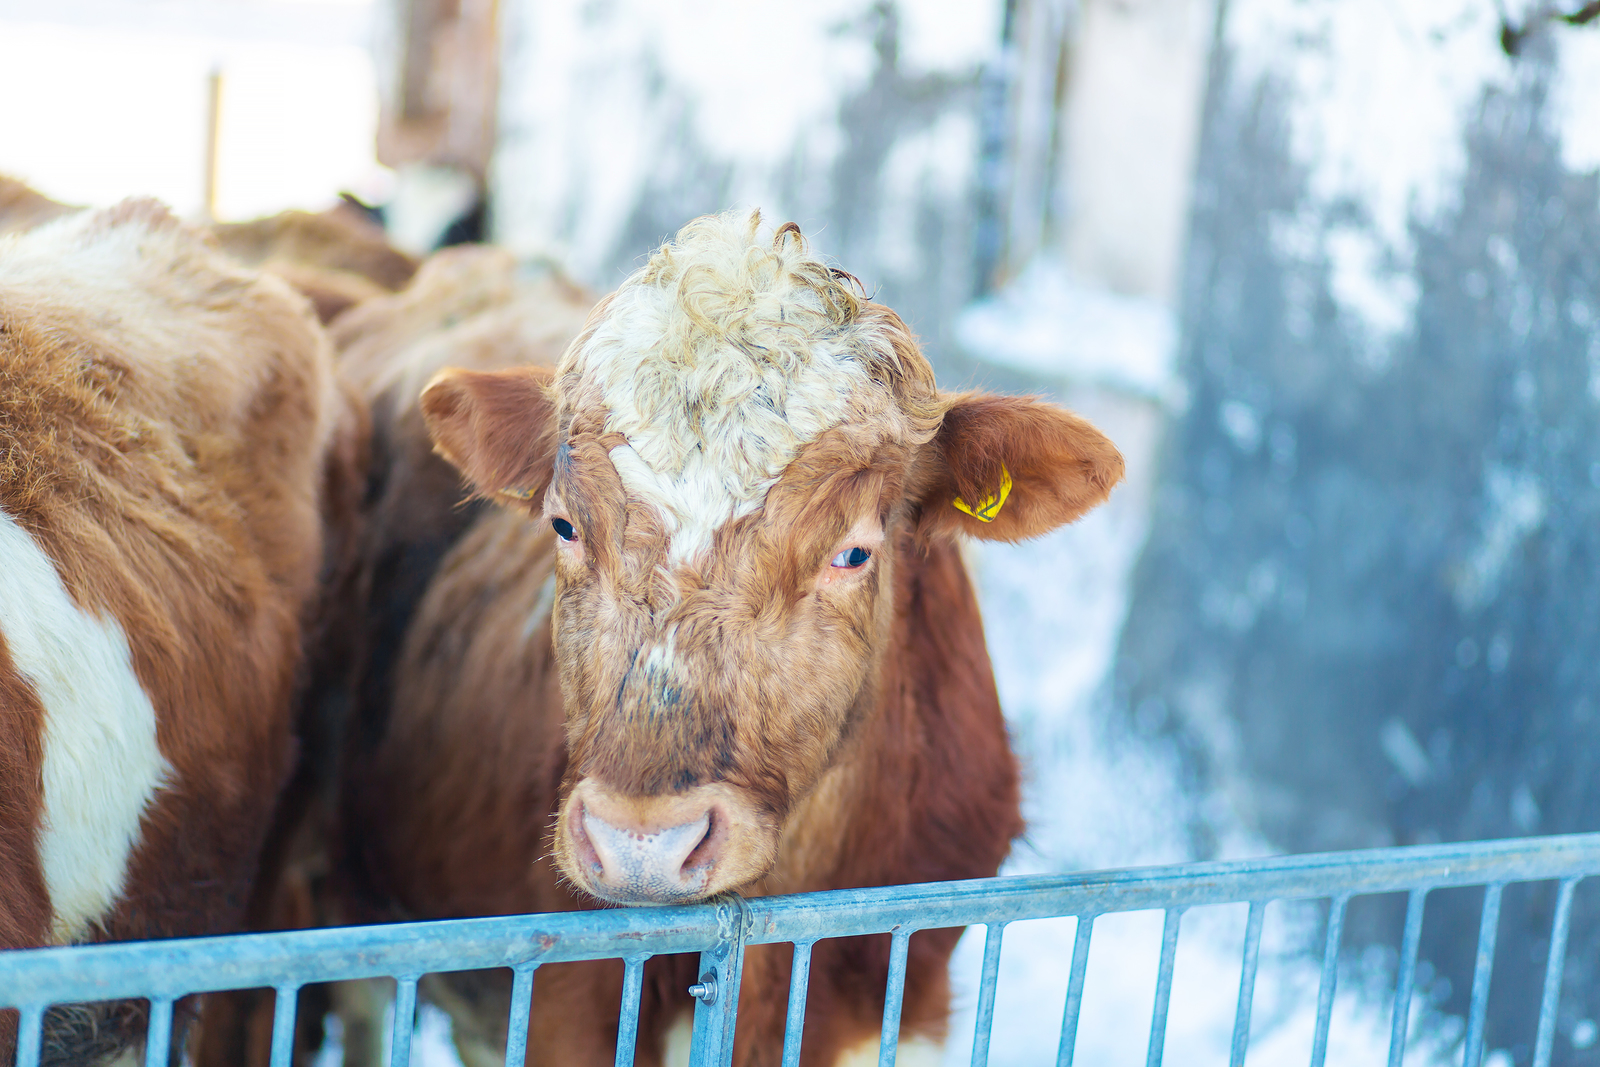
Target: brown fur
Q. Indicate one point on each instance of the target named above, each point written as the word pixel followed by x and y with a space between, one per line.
pixel 25 906
pixel 337 258
pixel 340 239
pixel 165 442
pixel 331 292
pixel 22 208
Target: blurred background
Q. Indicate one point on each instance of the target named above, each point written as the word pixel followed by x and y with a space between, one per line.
pixel 1327 270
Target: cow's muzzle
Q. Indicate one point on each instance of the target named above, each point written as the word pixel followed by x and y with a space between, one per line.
pixel 668 849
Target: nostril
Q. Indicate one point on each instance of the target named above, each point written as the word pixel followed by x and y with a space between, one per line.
pixel 645 863
pixel 578 827
pixel 704 853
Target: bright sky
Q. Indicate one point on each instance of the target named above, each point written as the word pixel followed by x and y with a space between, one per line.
pixel 107 99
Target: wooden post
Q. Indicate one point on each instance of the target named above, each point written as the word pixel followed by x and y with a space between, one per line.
pixel 213 131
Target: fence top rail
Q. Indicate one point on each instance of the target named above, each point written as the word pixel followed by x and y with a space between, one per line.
pixel 195 965
pixel 811 916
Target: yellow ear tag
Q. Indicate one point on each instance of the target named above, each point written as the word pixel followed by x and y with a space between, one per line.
pixel 518 494
pixel 986 511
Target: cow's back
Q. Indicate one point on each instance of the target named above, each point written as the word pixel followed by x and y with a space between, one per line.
pixel 164 418
pixel 22 208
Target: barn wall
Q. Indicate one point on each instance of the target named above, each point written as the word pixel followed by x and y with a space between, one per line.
pixel 620 120
pixel 1366 612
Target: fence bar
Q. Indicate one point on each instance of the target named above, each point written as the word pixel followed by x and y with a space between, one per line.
pixel 79 973
pixel 893 996
pixel 1247 983
pixel 517 1017
pixel 716 994
pixel 1158 1018
pixel 628 1023
pixel 1488 930
pixel 1393 870
pixel 162 972
pixel 29 1035
pixel 795 1025
pixel 1406 977
pixel 1554 967
pixel 984 1022
pixel 158 1035
pixel 284 1002
pixel 1080 966
pixel 1330 979
pixel 405 1018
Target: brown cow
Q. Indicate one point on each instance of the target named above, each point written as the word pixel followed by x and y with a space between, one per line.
pixel 715 635
pixel 168 426
pixel 23 208
pixel 337 258
pixel 468 305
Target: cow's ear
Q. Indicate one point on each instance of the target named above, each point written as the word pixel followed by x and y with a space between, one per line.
pixel 497 427
pixel 1005 468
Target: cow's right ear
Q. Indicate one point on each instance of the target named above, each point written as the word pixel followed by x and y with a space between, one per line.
pixel 497 427
pixel 1006 468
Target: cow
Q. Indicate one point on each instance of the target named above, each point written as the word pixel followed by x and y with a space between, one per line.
pixel 701 625
pixel 22 208
pixel 472 305
pixel 174 448
pixel 338 258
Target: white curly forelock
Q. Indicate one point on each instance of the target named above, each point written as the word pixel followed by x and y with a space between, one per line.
pixel 717 362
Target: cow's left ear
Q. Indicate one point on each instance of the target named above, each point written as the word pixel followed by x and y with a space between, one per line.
pixel 497 427
pixel 1005 468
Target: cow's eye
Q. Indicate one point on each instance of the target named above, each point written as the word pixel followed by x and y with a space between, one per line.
pixel 851 558
pixel 564 529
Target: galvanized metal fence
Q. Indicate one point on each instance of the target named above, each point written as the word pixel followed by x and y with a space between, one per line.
pixel 164 971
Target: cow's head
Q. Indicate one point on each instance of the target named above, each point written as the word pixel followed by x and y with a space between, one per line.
pixel 732 458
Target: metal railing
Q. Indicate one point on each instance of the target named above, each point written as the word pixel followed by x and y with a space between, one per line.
pixel 164 971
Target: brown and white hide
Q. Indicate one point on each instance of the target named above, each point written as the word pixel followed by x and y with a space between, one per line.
pixel 705 628
pixel 170 428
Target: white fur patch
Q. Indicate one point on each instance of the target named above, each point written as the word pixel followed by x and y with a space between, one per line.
pixel 101 762
pixel 718 361
pixel 911 1052
pixel 678 1041
pixel 661 663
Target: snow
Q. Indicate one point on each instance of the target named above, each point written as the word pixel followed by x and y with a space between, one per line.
pixel 1379 92
pixel 1515 508
pixel 947 36
pixel 1050 323
pixel 1347 65
pixel 936 162
pixel 607 110
pixel 648 79
pixel 1575 99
